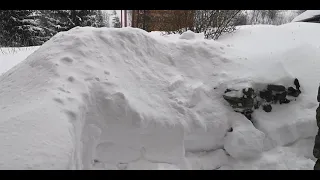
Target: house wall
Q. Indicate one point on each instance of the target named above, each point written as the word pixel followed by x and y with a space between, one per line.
pixel 162 20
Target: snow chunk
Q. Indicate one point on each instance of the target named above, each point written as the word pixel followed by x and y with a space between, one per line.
pixel 245 141
pixel 188 35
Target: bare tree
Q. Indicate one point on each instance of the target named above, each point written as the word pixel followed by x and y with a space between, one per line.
pixel 212 22
pixel 241 19
pixel 215 22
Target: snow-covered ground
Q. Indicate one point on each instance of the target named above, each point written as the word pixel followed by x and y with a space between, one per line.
pixel 10 57
pixel 126 99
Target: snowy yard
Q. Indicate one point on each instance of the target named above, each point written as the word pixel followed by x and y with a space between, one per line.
pixel 104 98
pixel 10 57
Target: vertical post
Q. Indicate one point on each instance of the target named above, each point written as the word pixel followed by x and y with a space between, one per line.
pixel 121 18
pixel 132 21
pixel 138 19
pixel 125 18
pixel 144 19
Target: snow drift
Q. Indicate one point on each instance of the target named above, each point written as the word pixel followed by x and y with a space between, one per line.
pixel 105 96
pixel 100 98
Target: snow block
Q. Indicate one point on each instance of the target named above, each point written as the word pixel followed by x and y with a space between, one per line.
pixel 245 141
pixel 188 35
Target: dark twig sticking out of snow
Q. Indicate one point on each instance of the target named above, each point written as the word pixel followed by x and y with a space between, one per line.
pixel 251 99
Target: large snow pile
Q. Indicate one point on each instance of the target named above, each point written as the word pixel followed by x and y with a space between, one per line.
pixel 306 15
pixel 126 99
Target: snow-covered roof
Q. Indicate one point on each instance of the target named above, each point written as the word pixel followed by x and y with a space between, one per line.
pixel 306 15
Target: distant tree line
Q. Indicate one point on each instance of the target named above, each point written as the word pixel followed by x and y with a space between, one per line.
pixel 19 28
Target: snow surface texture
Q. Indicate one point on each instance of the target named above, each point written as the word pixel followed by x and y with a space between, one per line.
pixel 305 15
pixel 126 99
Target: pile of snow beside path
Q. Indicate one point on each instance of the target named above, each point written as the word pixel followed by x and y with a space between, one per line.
pixel 306 15
pixel 113 99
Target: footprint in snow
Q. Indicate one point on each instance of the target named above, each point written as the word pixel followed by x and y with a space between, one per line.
pixel 67 60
